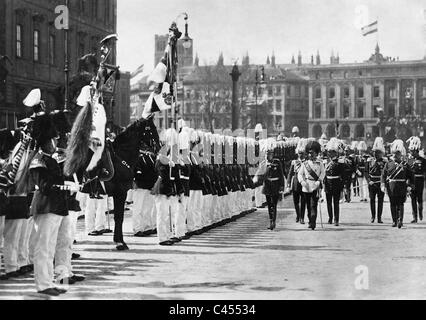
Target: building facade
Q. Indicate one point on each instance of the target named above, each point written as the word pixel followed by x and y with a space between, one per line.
pixel 349 100
pixel 121 109
pixel 36 48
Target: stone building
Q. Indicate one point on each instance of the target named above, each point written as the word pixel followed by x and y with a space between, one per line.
pixel 354 97
pixel 36 48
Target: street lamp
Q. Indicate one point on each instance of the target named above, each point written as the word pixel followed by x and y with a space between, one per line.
pixel 66 65
pixel 187 41
pixel 262 84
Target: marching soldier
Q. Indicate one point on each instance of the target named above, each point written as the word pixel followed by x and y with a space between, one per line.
pixel 373 173
pixel 417 165
pixel 310 177
pixel 293 183
pixel 396 179
pixel 273 185
pixel 350 169
pixel 361 172
pixel 333 182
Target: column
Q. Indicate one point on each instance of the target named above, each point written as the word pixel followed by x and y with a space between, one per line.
pixel 368 100
pixel 415 96
pixel 338 101
pixel 324 101
pixel 352 106
pixel 311 102
pixel 398 97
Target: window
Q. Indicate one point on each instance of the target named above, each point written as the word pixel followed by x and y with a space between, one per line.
pixel 346 92
pixel 360 92
pixel 288 91
pixel 19 41
pixel 95 8
pixel 332 112
pixel 376 92
pixel 424 92
pixel 360 73
pixel 52 47
pixel 332 93
pixel 270 106
pixel 317 111
pixel 331 75
pixel 278 105
pixel 36 45
pixel 391 110
pixel 345 75
pixel 360 111
pixel 297 91
pixel 278 91
pixel 318 93
pixel 346 110
pixel 375 111
pixel 392 93
pixel 81 49
pixel 270 91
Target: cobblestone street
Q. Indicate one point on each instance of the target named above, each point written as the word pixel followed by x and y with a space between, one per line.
pixel 244 260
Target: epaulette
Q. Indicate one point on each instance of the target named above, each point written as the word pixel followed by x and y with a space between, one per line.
pixel 38 161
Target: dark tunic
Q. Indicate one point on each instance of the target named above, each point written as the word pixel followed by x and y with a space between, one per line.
pixel 274 178
pixel 334 175
pixel 168 182
pixel 46 173
pixel 196 181
pixel 395 176
pixel 185 176
pixel 374 170
pixel 145 174
pixel 418 169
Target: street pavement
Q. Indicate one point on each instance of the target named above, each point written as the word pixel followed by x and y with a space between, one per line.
pixel 244 260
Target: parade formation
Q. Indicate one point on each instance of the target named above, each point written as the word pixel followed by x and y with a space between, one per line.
pixel 182 181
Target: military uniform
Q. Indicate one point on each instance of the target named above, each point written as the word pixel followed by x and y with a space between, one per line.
pixel 373 173
pixel 350 170
pixel 417 166
pixel 362 176
pixel 144 211
pixel 197 189
pixel 296 188
pixel 333 186
pixel 183 174
pixel 395 177
pixel 272 186
pixel 311 187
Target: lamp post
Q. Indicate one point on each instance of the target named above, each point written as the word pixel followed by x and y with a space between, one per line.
pixel 235 75
pixel 262 84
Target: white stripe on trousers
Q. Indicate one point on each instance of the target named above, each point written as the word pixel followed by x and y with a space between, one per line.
pixel 46 236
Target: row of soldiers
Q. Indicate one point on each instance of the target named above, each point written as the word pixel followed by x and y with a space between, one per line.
pixel 328 172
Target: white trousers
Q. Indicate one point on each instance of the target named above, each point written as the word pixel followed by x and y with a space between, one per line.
pixel 142 211
pixel 95 214
pixel 194 210
pixel 130 195
pixel 46 236
pixel 259 196
pixel 63 250
pixel 363 188
pixel 180 217
pixel 206 217
pixel 164 217
pixel 74 218
pixel 16 239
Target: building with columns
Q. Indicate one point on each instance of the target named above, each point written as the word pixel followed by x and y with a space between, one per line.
pixel 351 97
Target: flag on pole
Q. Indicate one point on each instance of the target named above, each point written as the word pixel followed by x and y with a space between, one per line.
pixel 371 28
pixel 137 71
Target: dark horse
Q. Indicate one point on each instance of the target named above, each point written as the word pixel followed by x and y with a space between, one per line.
pixel 125 152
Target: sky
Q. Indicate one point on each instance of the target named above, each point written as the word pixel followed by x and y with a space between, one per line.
pixel 260 27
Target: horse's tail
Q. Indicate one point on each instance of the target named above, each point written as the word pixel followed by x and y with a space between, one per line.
pixel 78 144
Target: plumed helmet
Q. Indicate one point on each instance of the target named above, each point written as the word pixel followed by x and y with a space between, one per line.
pixel 362 146
pixel 84 97
pixel 333 145
pixel 159 74
pixel 258 128
pixel 314 146
pixel 414 144
pixel 379 145
pixel 43 129
pixel 33 98
pixel 184 139
pixel 398 146
pixel 301 146
pixel 171 137
pixel 295 130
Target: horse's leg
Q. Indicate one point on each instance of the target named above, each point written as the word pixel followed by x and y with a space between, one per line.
pixel 119 202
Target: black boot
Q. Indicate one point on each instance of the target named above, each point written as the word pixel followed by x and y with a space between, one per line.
pixel 373 209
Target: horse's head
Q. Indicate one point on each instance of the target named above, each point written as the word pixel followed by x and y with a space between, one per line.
pixel 150 140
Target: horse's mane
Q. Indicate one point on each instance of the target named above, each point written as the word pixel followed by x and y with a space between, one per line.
pixel 78 144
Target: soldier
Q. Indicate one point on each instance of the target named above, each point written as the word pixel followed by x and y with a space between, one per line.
pixel 165 191
pixel 395 179
pixel 333 182
pixel 361 172
pixel 349 174
pixel 273 185
pixel 49 207
pixel 310 177
pixel 417 165
pixel 293 183
pixel 373 173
